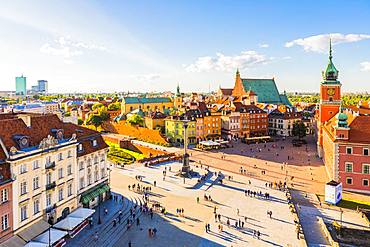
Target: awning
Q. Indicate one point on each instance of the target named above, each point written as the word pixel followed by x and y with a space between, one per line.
pixel 93 193
pixel 34 230
pixel 55 236
pixel 14 241
pixel 74 219
pixel 82 213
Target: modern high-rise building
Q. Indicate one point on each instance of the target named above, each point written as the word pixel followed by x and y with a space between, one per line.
pixel 21 85
pixel 42 86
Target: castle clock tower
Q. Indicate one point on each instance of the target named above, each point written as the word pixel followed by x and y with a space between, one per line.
pixel 330 98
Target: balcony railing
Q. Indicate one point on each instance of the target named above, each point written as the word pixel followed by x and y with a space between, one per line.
pixel 50 165
pixel 50 186
pixel 50 208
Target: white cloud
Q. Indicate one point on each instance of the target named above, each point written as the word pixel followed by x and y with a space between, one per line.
pixel 146 77
pixel 67 48
pixel 365 66
pixel 320 43
pixel 221 62
pixel 263 45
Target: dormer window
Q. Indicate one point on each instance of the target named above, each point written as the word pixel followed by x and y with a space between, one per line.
pixel 58 134
pixel 22 141
pixel 94 143
pixel 80 147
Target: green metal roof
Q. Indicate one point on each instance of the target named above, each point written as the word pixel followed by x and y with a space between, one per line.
pixel 137 100
pixel 266 91
pixel 284 99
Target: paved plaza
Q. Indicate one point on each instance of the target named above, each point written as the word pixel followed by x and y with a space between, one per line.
pixel 228 198
pixel 303 172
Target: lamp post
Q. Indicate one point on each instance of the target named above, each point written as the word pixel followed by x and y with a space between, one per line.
pixel 99 218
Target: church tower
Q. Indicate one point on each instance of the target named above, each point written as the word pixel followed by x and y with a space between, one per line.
pixel 178 98
pixel 330 98
pixel 238 90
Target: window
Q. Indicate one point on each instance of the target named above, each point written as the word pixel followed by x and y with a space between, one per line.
pixel 89 179
pixel 23 169
pixel 23 212
pixel 60 156
pixel 48 178
pixel 23 188
pixel 60 194
pixel 36 183
pixel 348 180
pixel 48 200
pixel 96 160
pixel 80 147
pixel 36 206
pixel 95 143
pixel 366 169
pixel 365 182
pixel 81 165
pixel 348 150
pixel 102 173
pixel 5 222
pixel 69 154
pixel 366 151
pixel 35 164
pixel 349 167
pixel 4 195
pixel 60 173
pixel 69 189
pixel 69 169
pixel 96 175
pixel 102 158
pixel 82 183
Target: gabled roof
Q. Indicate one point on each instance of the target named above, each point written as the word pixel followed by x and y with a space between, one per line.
pixel 265 89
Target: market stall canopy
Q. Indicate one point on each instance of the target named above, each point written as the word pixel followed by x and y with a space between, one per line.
pixel 74 219
pixel 55 236
pixel 34 230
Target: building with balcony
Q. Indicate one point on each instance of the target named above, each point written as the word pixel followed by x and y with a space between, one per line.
pixel 43 153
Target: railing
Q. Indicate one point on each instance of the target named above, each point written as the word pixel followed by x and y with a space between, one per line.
pixel 50 186
pixel 50 165
pixel 50 208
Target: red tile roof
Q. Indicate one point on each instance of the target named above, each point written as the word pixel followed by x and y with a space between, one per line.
pixel 41 126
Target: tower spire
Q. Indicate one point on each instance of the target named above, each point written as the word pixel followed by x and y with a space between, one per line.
pixel 330 50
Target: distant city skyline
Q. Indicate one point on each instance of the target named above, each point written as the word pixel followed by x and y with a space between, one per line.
pixel 154 45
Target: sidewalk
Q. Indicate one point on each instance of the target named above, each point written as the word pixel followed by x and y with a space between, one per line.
pixel 113 207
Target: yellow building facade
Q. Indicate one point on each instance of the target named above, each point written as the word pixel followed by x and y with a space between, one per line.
pixel 146 104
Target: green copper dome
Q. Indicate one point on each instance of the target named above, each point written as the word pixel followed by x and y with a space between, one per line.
pixel 342 116
pixel 330 75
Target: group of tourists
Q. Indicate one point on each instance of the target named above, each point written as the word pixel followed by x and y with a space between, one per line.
pixel 258 194
pixel 180 212
pixel 140 189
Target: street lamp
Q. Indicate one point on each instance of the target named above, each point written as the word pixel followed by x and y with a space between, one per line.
pixel 99 218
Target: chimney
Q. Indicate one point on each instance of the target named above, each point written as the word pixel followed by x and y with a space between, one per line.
pixel 26 119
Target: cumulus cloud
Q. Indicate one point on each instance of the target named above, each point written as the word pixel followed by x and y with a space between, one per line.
pixel 365 66
pixel 320 43
pixel 66 48
pixel 263 45
pixel 221 62
pixel 146 77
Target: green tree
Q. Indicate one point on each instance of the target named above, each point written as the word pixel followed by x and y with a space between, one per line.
pixel 96 106
pixel 135 119
pixel 80 121
pixel 299 129
pixel 95 120
pixel 114 106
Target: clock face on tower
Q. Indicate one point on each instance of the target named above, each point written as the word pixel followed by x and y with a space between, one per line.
pixel 331 91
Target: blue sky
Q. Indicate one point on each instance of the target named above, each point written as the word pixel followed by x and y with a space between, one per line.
pixel 108 46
